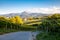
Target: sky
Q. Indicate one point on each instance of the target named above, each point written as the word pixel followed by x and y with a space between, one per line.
pixel 38 6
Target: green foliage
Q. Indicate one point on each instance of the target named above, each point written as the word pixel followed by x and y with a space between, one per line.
pixel 50 28
pixel 48 36
pixel 51 23
pixel 13 24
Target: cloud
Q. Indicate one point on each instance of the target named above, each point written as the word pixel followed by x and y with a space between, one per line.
pixel 34 10
pixel 10 11
pixel 45 10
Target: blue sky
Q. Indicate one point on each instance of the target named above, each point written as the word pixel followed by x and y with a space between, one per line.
pixel 9 6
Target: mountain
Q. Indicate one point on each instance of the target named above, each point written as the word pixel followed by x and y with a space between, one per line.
pixel 25 14
pixel 11 14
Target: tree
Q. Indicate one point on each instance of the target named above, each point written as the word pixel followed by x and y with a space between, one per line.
pixel 51 23
pixel 12 20
pixel 18 20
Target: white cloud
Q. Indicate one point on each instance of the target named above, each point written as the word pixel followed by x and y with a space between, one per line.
pixel 38 10
pixel 45 10
pixel 10 11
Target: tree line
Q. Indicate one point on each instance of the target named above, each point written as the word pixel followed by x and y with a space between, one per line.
pixel 11 22
pixel 50 23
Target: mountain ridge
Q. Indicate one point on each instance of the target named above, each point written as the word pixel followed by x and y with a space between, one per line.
pixel 25 14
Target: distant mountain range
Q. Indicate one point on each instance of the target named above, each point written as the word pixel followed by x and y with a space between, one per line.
pixel 26 14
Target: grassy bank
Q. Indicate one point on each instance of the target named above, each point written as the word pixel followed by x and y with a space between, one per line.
pixel 48 36
pixel 20 28
pixel 4 31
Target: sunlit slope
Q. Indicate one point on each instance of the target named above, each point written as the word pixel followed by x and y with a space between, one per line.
pixel 33 22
